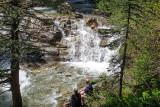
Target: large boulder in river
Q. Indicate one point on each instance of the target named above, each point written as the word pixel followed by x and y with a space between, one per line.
pixel 66 8
pixel 92 22
pixel 103 42
pixel 96 12
pixel 78 15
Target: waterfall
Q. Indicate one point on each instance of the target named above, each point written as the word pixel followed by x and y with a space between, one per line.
pixel 88 48
pixel 85 51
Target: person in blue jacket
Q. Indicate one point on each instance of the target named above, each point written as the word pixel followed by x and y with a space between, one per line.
pixel 86 91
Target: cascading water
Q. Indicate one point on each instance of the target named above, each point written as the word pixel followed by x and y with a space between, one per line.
pixel 85 51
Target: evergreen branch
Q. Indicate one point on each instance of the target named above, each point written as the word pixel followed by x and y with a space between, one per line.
pixel 5 91
pixel 4 81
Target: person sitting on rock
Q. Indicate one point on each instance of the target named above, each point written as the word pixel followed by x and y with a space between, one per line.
pixel 75 100
pixel 86 91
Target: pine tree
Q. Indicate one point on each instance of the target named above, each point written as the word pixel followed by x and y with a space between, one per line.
pixel 12 13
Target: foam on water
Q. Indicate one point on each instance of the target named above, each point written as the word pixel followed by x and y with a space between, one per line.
pixel 41 8
pixel 91 67
pixel 51 12
pixel 24 80
pixel 45 10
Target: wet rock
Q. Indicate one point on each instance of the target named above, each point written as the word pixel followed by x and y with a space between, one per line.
pixel 74 32
pixel 96 12
pixel 68 74
pixel 55 64
pixel 33 23
pixel 60 71
pixel 92 22
pixel 34 56
pixel 60 45
pixel 78 15
pixel 74 27
pixel 63 43
pixel 103 42
pixel 57 36
pixel 43 71
pixel 69 21
pixel 63 51
pixel 61 59
pixel 46 17
pixel 66 25
pixel 67 31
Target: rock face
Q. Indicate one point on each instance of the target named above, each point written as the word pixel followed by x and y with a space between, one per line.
pixel 92 22
pixel 44 35
pixel 48 34
pixel 54 36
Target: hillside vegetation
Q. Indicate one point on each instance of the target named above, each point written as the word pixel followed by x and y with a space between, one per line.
pixel 139 83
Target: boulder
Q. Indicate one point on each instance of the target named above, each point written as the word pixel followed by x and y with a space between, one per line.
pixel 96 12
pixel 92 22
pixel 78 15
pixel 103 42
pixel 68 74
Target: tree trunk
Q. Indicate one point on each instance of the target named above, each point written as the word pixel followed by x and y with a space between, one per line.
pixel 125 51
pixel 15 87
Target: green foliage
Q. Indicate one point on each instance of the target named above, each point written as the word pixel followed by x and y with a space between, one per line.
pixel 144 65
pixel 149 99
pixel 141 83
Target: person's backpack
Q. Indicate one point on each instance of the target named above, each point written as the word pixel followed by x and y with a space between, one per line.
pixel 76 100
pixel 89 90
